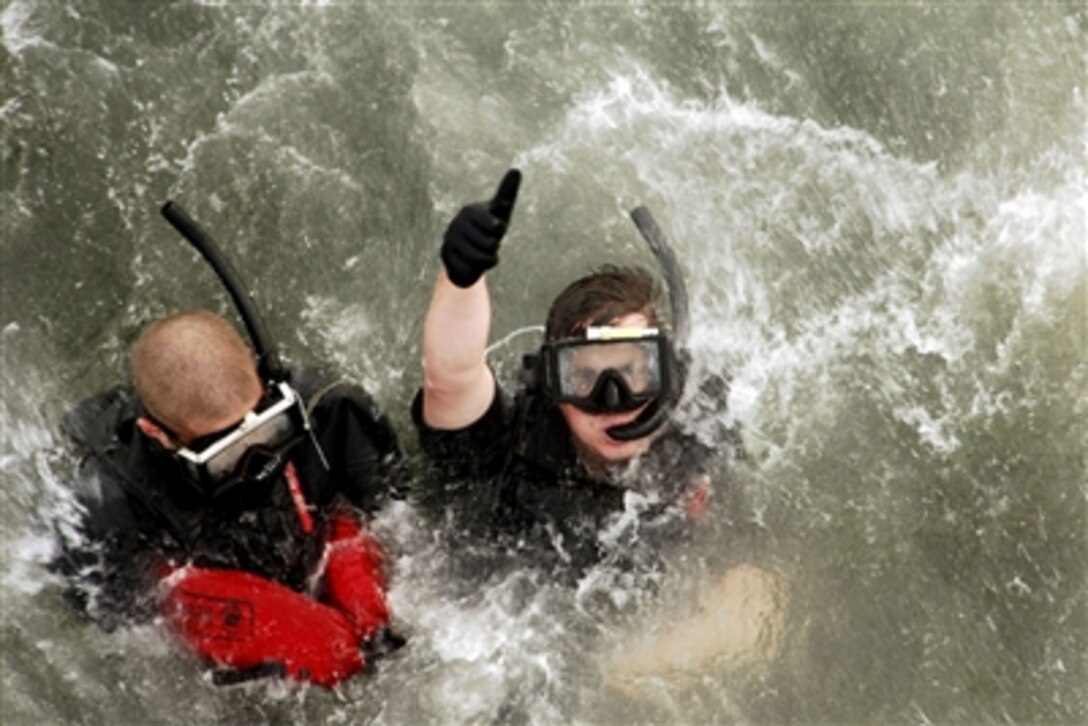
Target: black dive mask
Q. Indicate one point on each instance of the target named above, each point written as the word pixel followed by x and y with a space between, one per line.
pixel 610 370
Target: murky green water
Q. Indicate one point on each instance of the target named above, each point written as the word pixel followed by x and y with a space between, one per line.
pixel 881 212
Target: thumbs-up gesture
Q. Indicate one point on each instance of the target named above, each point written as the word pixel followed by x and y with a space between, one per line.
pixel 470 246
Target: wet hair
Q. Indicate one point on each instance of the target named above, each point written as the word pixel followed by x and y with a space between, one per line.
pixel 192 365
pixel 608 293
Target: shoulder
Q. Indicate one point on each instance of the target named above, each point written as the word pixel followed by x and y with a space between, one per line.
pixel 97 421
pixel 480 451
pixel 320 387
pixel 103 425
pixel 329 396
pixel 497 424
pixel 114 460
pixel 343 414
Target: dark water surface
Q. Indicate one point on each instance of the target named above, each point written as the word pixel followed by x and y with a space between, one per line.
pixel 880 209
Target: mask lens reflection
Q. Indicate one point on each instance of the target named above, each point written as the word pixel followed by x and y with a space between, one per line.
pixel 637 363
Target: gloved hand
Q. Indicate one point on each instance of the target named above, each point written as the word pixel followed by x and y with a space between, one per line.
pixel 245 622
pixel 470 246
pixel 354 582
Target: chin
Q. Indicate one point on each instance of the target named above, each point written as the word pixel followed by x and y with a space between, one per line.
pixel 590 435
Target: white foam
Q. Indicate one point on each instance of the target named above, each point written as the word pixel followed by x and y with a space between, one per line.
pixel 27 555
pixel 18 26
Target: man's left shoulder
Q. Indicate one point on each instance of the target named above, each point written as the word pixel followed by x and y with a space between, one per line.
pixel 320 389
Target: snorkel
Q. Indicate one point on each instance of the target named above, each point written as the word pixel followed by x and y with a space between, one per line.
pixel 269 368
pixel 658 411
pixel 268 363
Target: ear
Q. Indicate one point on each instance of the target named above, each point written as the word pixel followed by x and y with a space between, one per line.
pixel 152 430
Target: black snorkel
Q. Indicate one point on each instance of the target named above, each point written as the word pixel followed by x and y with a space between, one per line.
pixel 659 410
pixel 269 367
pixel 268 362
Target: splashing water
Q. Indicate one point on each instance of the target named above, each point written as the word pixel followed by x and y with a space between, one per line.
pixel 880 211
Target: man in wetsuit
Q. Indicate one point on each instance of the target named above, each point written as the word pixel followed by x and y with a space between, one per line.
pixel 583 465
pixel 233 506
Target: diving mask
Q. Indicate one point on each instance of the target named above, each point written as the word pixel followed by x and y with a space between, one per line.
pixel 609 370
pixel 254 449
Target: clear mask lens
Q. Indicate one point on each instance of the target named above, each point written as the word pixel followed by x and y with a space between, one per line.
pixel 636 363
pixel 611 370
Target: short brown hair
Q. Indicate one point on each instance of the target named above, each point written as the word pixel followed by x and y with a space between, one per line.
pixel 599 298
pixel 192 365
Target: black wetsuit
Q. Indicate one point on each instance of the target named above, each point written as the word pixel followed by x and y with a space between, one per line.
pixel 513 477
pixel 140 512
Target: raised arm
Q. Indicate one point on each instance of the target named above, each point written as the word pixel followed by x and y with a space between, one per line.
pixel 458 387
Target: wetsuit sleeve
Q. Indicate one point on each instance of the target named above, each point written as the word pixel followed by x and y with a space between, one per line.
pixel 477 451
pixel 465 478
pixel 366 464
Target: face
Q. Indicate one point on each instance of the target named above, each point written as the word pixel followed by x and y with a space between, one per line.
pixel 589 430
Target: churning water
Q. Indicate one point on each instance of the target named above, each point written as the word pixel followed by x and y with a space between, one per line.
pixel 880 209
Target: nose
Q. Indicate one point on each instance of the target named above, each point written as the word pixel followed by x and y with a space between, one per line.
pixel 612 394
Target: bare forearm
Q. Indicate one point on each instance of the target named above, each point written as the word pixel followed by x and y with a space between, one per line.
pixel 458 387
pixel 457 384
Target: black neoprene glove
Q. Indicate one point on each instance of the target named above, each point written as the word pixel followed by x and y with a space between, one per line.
pixel 470 246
